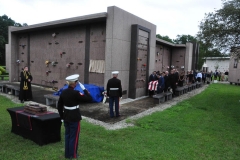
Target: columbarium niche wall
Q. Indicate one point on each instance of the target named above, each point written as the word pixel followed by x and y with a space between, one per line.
pixel 23 53
pixel 178 59
pixel 53 54
pixel 97 54
pixel 162 58
pixel 139 61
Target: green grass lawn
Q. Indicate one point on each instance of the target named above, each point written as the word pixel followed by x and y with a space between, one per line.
pixel 206 126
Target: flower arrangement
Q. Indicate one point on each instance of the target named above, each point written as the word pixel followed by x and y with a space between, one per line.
pixel 61 53
pixel 104 96
pixel 68 65
pixel 104 93
pixel 54 63
pixel 47 62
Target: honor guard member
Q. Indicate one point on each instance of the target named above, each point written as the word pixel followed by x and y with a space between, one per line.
pixel 114 92
pixel 68 108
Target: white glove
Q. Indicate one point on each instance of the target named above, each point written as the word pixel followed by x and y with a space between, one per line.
pixel 62 120
pixel 82 86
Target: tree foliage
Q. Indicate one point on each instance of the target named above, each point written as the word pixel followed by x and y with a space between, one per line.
pixel 5 21
pixel 222 28
pixel 205 49
pixel 165 38
pixel 2 70
pixel 183 39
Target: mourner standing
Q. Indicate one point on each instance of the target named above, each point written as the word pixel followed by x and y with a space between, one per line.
pixel 181 78
pixel 152 77
pixel 114 92
pixel 68 108
pixel 199 76
pixel 208 77
pixel 167 81
pixel 204 75
pixel 173 81
pixel 226 76
pixel 191 78
pixel 25 93
pixel 161 83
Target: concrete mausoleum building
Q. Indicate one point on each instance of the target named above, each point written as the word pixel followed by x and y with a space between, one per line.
pixel 234 70
pixel 221 63
pixel 94 46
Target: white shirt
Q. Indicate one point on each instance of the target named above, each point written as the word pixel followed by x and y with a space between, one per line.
pixel 199 75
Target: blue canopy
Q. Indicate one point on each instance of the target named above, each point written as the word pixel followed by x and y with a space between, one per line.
pixel 95 91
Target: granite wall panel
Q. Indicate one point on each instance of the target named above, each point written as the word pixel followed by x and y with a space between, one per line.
pixel 66 46
pixel 97 51
pixel 162 58
pixel 178 58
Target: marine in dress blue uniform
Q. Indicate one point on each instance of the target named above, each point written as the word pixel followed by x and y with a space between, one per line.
pixel 114 92
pixel 68 108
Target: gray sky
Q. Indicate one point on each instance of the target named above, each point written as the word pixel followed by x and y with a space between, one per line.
pixel 172 17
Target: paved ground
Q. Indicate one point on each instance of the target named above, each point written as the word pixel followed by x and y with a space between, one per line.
pixel 98 113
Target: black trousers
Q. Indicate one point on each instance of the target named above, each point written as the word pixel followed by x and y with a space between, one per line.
pixel 204 79
pixel 199 79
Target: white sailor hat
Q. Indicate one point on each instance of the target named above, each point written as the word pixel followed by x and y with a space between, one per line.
pixel 72 78
pixel 115 72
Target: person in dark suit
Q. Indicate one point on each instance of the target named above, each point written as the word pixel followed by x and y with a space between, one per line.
pixel 181 79
pixel 204 75
pixel 152 77
pixel 191 78
pixel 114 92
pixel 25 93
pixel 173 81
pixel 166 81
pixel 68 109
pixel 161 83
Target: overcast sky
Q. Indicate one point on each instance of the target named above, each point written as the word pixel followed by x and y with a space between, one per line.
pixel 172 17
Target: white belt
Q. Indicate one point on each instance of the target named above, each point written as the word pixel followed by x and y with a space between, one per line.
pixel 114 88
pixel 71 108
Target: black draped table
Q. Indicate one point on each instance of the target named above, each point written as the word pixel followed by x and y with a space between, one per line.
pixel 42 129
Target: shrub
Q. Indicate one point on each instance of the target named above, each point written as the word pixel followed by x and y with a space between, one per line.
pixel 2 70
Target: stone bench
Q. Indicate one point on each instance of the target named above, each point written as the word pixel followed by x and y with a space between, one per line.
pixel 3 76
pixel 179 91
pixel 185 89
pixel 168 96
pixel 189 87
pixel 159 98
pixel 193 86
pixel 199 84
pixel 14 90
pixel 51 99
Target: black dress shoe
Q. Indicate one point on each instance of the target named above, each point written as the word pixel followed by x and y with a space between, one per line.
pixel 118 115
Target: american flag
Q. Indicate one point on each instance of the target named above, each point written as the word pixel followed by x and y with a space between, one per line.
pixel 152 86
